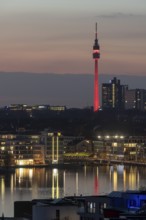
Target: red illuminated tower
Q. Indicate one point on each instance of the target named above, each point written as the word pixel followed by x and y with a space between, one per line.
pixel 96 56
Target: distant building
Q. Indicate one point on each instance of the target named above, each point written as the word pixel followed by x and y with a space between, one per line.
pixel 19 107
pixel 113 95
pixel 57 108
pixel 135 99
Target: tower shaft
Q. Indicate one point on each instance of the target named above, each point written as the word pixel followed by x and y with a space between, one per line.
pixel 96 89
pixel 96 56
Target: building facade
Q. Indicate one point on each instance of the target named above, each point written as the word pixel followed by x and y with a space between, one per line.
pixel 18 149
pixel 135 99
pixel 113 95
pixel 24 149
pixel 53 147
pixel 130 148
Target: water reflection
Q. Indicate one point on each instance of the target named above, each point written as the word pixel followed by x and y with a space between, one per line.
pixel 55 184
pixel 28 184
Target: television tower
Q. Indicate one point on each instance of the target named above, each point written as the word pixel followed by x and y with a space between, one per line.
pixel 96 56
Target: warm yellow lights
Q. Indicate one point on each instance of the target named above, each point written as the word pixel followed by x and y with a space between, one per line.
pixel 2 188
pixel 111 137
pixel 30 173
pixel 35 136
pixel 50 134
pixel 21 162
pixel 57 153
pixel 115 180
pixel 24 162
pixel 115 144
pixel 55 149
pixel 11 148
pixel 87 141
pixel 55 184
pixel 55 172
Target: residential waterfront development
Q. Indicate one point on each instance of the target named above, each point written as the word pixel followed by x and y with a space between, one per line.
pixel 43 135
pixel 53 148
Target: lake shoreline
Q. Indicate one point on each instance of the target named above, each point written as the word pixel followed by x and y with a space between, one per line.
pixel 76 164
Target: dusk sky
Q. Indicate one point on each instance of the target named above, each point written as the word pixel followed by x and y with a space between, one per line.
pixel 56 36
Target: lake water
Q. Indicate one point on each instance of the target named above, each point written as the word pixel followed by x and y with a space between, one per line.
pixel 27 184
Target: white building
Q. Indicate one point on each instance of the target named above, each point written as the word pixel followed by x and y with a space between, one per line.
pixel 58 209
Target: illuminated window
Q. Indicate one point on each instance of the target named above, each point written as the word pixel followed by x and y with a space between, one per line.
pixel 35 137
pixel 91 207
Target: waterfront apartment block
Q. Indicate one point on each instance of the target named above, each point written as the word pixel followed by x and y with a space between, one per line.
pixel 18 149
pixel 120 147
pixel 22 149
pixel 51 147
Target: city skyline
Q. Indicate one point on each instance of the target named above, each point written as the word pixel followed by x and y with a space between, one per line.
pixel 71 90
pixel 54 37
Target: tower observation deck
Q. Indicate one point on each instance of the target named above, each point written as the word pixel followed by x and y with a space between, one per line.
pixel 96 56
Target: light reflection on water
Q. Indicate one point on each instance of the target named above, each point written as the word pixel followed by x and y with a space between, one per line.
pixel 28 184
